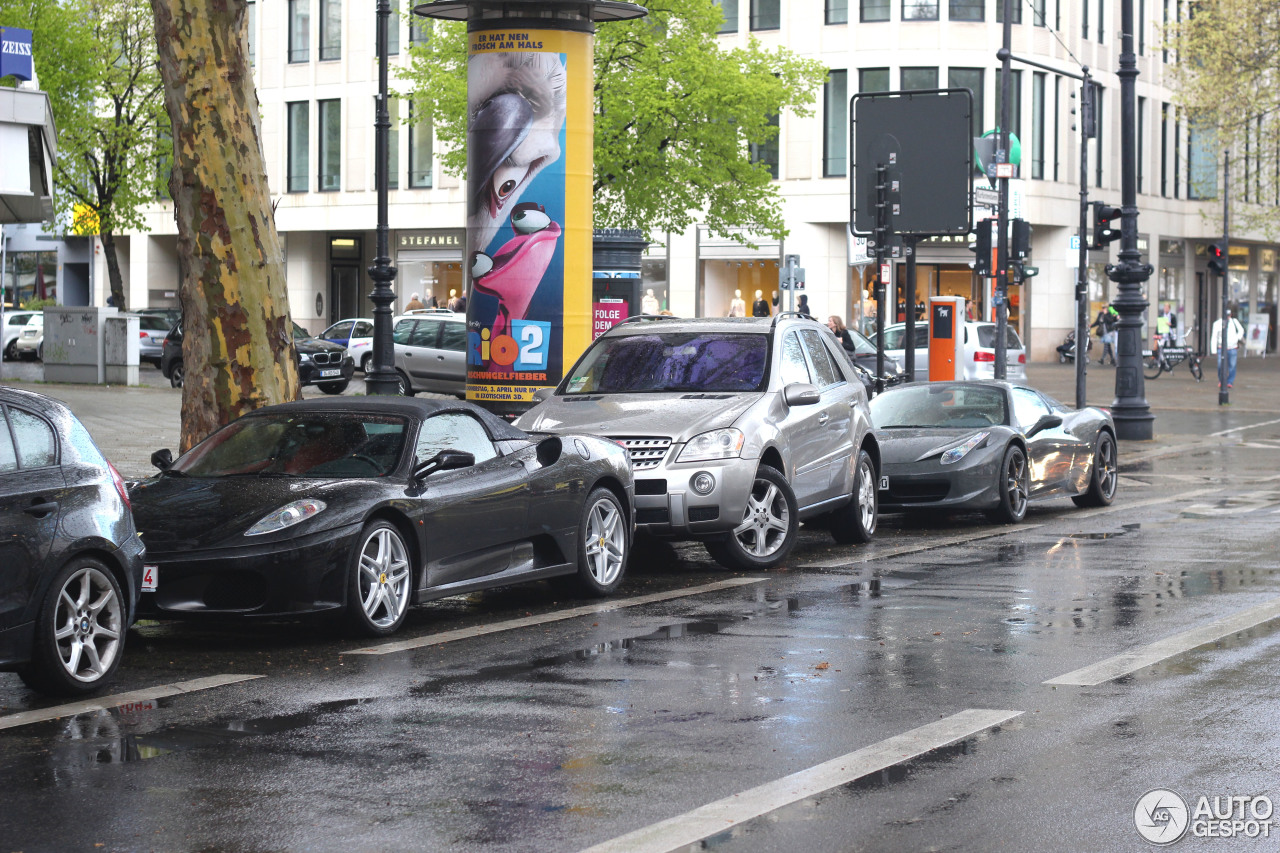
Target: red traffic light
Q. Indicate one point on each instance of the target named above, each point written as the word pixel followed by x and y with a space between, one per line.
pixel 1217 258
pixel 1106 224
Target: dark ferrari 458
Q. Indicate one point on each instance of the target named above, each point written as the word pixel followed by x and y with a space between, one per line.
pixel 993 446
pixel 361 506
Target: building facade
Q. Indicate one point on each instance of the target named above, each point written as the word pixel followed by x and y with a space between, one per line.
pixel 316 70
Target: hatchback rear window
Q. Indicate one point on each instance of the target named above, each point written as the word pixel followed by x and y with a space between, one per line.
pixel 672 362
pixel 987 337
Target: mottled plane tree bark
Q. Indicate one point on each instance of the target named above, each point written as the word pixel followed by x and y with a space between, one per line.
pixel 238 344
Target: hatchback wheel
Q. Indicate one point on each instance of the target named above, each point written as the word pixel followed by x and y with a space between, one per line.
pixel 855 522
pixel 80 631
pixel 1104 475
pixel 1013 483
pixel 405 388
pixel 380 582
pixel 176 374
pixel 767 532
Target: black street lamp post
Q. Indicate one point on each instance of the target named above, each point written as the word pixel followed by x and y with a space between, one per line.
pixel 1132 415
pixel 381 378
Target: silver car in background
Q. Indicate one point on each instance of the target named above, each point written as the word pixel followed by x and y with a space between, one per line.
pixel 979 358
pixel 738 430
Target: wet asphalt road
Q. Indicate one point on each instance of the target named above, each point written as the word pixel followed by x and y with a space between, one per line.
pixel 564 734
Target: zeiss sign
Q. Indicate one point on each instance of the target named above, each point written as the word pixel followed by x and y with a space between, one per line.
pixel 15 53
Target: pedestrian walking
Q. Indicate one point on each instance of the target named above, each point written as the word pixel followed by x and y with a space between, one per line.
pixel 1235 334
pixel 802 306
pixel 1106 323
pixel 415 302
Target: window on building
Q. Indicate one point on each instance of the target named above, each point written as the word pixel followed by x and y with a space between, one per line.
pixel 1202 163
pixel 330 30
pixel 1038 12
pixel 1177 157
pixel 729 8
pixel 1057 123
pixel 837 11
pixel 1084 19
pixel 919 78
pixel 393 30
pixel 919 10
pixel 1142 26
pixel 967 10
pixel 766 14
pixel 330 145
pixel 420 150
pixel 299 165
pixel 835 98
pixel 1015 102
pixel 1039 81
pixel 253 32
pixel 1164 150
pixel 873 10
pixel 1141 148
pixel 419 30
pixel 1017 11
pixel 767 152
pixel 873 79
pixel 299 30
pixel 1100 126
pixel 393 140
pixel 1102 20
pixel 971 79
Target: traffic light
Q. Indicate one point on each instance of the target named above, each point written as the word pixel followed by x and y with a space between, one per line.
pixel 1021 247
pixel 1106 224
pixel 981 248
pixel 1217 258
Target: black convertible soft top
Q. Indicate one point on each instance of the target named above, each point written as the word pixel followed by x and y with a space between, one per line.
pixel 413 407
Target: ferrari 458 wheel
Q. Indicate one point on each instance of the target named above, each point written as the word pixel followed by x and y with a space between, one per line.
pixel 1104 476
pixel 80 631
pixel 1013 481
pixel 768 528
pixel 855 522
pixel 381 581
pixel 603 544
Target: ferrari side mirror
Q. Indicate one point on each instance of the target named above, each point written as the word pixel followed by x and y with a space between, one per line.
pixel 445 460
pixel 1045 422
pixel 162 459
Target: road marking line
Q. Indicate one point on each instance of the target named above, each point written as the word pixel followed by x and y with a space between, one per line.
pixel 714 818
pixel 1242 428
pixel 912 549
pixel 558 616
pixel 100 703
pixel 1145 656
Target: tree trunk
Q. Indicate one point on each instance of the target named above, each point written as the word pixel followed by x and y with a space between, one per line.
pixel 114 282
pixel 238 344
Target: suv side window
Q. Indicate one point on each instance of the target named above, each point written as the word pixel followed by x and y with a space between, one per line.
pixel 824 371
pixel 453 337
pixel 400 334
pixel 793 366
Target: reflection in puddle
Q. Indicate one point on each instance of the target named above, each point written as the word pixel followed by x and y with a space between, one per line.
pixel 1124 530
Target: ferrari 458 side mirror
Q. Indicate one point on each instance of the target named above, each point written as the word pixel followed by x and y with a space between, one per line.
pixel 162 459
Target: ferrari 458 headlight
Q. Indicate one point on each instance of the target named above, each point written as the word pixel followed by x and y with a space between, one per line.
pixel 718 444
pixel 959 452
pixel 287 516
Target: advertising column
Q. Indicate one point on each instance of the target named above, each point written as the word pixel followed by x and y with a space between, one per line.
pixel 529 211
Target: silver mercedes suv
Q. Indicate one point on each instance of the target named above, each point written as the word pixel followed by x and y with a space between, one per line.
pixel 738 430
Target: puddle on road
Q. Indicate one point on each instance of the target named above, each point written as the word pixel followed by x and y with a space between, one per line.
pixel 1125 530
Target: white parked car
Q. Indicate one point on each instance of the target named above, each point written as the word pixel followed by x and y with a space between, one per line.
pixel 979 351
pixel 30 344
pixel 356 334
pixel 14 323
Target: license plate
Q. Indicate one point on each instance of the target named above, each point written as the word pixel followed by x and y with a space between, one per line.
pixel 150 575
pixel 335 371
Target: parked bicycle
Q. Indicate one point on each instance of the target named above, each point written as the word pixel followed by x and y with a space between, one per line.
pixel 1163 358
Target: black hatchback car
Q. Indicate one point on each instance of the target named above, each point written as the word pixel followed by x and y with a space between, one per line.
pixel 70 559
pixel 322 363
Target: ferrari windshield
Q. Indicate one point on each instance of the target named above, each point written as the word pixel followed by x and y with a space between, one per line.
pixel 685 361
pixel 331 445
pixel 939 405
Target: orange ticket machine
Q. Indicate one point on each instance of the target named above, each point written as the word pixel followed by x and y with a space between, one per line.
pixel 946 338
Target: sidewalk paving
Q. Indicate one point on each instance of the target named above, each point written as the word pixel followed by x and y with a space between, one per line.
pixel 130 422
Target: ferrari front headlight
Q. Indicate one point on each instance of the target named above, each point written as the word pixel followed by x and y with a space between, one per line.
pixel 287 516
pixel 959 452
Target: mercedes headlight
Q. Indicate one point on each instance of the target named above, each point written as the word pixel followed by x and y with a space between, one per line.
pixel 287 516
pixel 717 444
pixel 959 452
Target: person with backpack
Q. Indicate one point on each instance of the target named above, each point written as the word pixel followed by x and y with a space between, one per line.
pixel 1106 322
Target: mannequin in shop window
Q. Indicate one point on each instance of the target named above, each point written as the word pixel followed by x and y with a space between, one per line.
pixel 760 308
pixel 455 301
pixel 649 302
pixel 737 305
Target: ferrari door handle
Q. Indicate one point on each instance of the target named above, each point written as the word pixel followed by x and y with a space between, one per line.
pixel 40 508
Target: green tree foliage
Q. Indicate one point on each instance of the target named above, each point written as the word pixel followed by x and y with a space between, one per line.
pixel 676 115
pixel 97 61
pixel 1227 80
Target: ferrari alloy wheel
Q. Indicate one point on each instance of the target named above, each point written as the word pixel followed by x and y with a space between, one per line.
pixel 855 522
pixel 1104 475
pixel 603 545
pixel 80 631
pixel 1014 485
pixel 381 581
pixel 767 532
